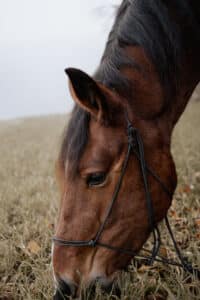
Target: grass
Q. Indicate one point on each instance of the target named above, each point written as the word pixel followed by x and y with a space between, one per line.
pixel 28 208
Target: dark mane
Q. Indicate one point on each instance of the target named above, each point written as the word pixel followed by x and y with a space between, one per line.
pixel 75 138
pixel 148 24
pixel 138 23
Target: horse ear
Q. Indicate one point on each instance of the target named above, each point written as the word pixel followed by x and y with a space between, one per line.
pixel 86 92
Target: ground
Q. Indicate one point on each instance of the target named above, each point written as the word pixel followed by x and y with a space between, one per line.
pixel 29 201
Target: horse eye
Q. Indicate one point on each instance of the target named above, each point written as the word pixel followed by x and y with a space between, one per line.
pixel 96 179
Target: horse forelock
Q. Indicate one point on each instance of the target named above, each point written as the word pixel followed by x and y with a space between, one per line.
pixel 74 139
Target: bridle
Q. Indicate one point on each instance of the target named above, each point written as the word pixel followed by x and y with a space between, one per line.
pixel 135 146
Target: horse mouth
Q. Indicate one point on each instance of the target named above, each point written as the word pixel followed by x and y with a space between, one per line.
pixel 66 290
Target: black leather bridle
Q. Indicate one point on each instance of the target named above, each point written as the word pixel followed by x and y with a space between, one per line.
pixel 135 146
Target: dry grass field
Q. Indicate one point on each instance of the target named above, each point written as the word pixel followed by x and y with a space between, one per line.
pixel 29 201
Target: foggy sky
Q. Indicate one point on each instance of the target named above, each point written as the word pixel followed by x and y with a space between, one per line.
pixel 38 40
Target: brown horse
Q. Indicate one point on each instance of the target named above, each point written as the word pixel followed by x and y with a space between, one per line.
pixel 147 74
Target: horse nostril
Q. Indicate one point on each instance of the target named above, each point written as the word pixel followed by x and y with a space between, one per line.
pixel 65 290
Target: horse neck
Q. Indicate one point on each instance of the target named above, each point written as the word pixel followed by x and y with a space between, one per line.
pixel 189 74
pixel 148 96
pixel 187 85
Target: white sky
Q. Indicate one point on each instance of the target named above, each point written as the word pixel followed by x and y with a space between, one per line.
pixel 38 40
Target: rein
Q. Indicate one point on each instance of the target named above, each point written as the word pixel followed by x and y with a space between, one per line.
pixel 135 146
